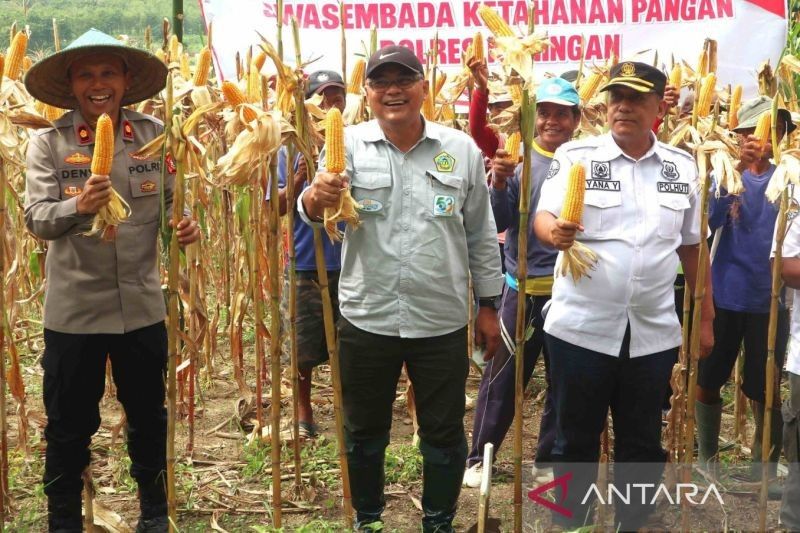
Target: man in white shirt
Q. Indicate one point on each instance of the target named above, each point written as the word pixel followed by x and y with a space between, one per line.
pixel 613 336
pixel 790 504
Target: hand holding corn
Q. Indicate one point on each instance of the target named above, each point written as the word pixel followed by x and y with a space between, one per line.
pixel 96 193
pixel 576 259
pixel 502 169
pixel 751 151
pixel 188 231
pixel 323 192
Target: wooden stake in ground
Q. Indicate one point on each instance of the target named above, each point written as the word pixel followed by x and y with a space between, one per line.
pixel 694 344
pixel 177 146
pixel 772 329
pixel 3 407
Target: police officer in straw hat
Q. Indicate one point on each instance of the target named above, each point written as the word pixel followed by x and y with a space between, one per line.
pixel 103 299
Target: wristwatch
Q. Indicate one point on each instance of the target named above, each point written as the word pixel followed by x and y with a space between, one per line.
pixel 486 301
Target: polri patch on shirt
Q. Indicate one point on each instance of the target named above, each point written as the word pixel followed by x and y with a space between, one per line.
pixel 444 162
pixel 601 170
pixel 669 171
pixel 602 185
pixel 78 159
pixel 555 166
pixel 793 210
pixel 148 186
pixel 672 187
pixel 443 205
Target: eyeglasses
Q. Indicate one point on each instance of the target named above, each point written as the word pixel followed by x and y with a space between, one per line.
pixel 404 82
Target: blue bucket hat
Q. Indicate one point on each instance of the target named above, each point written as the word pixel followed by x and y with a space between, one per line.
pixel 557 91
pixel 48 79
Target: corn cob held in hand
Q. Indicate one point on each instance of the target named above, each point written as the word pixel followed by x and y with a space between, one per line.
pixel 578 259
pixel 116 210
pixel 335 164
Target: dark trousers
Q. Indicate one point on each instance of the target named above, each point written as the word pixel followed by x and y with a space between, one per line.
pixel 585 385
pixel 790 506
pixel 74 381
pixel 494 410
pixel 370 368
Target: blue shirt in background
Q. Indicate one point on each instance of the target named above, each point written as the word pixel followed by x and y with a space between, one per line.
pixel 741 274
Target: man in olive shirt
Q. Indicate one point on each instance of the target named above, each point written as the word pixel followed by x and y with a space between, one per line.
pixel 426 225
pixel 103 299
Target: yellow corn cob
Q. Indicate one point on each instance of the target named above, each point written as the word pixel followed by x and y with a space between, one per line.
pixel 516 94
pixel 254 85
pixel 428 109
pixel 440 79
pixel 702 64
pixel 233 95
pixel 764 128
pixel 572 208
pixel 116 210
pixel 257 63
pixel 448 113
pixel 703 102
pixel 15 54
pixel 186 72
pixel 589 86
pixel 202 68
pixel 733 108
pixel 494 22
pixel 48 111
pixel 512 146
pixel 103 155
pixel 478 52
pixel 174 48
pixel 334 141
pixel 356 81
pixel 676 76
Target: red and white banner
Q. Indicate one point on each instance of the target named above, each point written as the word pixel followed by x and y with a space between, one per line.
pixel 748 31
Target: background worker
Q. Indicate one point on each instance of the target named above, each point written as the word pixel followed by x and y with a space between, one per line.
pixel 557 116
pixel 103 299
pixel 312 349
pixel 790 272
pixel 742 278
pixel 404 272
pixel 613 335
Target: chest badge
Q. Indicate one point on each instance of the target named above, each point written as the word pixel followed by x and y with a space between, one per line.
pixel 444 162
pixel 127 131
pixel 147 186
pixel 72 191
pixel 78 159
pixel 369 205
pixel 669 171
pixel 601 170
pixel 443 205
pixel 84 134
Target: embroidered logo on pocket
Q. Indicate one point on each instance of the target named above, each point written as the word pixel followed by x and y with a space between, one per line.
pixel 368 205
pixel 443 206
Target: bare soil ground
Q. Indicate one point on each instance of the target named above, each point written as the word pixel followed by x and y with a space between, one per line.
pixel 226 484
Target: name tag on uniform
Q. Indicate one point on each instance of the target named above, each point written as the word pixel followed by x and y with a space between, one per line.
pixel 673 187
pixel 443 205
pixel 602 185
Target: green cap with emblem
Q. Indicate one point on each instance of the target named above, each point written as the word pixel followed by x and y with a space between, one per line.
pixel 48 79
pixel 755 107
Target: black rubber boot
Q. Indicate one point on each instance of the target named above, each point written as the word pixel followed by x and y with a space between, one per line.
pixel 365 465
pixel 153 507
pixel 442 473
pixel 709 418
pixel 64 513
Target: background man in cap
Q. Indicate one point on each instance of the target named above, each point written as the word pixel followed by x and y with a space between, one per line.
pixel 557 115
pixel 103 299
pixel 742 286
pixel 311 347
pixel 405 271
pixel 613 337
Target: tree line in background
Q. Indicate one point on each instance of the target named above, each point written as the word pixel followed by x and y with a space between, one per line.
pixel 115 17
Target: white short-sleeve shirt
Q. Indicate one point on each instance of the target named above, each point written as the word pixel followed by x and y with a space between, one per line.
pixel 791 248
pixel 636 215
